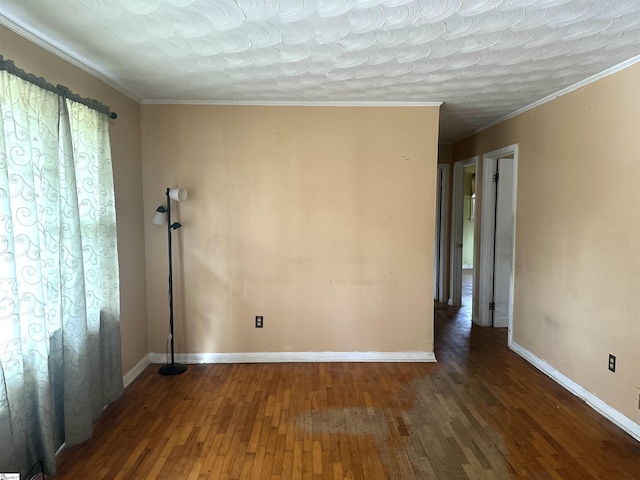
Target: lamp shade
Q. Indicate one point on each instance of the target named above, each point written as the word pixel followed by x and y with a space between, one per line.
pixel 178 194
pixel 160 216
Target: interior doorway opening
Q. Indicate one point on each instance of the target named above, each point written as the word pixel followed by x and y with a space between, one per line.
pixel 441 230
pixel 468 220
pixel 463 221
pixel 468 235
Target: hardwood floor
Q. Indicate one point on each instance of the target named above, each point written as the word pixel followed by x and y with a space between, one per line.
pixel 481 412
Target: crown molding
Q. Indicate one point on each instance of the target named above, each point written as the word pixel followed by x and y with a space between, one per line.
pixel 269 103
pixel 39 40
pixel 553 96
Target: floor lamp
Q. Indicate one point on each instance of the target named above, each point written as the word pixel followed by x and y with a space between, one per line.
pixel 160 217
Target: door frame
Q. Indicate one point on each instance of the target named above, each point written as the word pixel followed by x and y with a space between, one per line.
pixel 457 217
pixel 487 233
pixel 441 232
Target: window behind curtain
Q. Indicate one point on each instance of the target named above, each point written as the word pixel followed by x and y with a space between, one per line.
pixel 59 289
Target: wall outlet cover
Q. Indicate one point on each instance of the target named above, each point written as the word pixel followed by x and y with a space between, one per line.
pixel 259 321
pixel 612 363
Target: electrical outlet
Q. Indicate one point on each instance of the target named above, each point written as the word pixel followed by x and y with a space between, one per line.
pixel 259 321
pixel 612 363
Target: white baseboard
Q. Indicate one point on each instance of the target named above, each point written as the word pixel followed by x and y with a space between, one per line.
pixel 61 448
pixel 594 402
pixel 132 374
pixel 279 357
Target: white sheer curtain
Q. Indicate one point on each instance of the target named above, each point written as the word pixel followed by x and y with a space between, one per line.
pixel 60 360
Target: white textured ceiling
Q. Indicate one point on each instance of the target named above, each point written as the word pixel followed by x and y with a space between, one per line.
pixel 483 58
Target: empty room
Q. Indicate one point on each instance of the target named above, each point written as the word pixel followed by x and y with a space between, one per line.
pixel 319 239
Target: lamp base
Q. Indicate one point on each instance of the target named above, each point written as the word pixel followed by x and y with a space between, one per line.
pixel 172 369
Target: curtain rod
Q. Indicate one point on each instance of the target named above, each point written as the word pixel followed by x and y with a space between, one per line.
pixel 61 90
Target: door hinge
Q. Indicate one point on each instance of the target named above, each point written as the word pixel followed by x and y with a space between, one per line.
pixel 496 177
pixel 492 306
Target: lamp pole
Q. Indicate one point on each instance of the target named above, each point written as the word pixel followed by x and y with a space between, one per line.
pixel 172 368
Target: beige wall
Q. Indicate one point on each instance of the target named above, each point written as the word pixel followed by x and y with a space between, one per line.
pixel 125 149
pixel 445 152
pixel 577 294
pixel 320 219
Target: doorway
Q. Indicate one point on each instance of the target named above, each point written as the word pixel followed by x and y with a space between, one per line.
pixel 442 216
pixel 463 234
pixel 497 238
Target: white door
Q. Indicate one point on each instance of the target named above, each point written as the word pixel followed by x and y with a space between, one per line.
pixel 504 243
pixel 497 238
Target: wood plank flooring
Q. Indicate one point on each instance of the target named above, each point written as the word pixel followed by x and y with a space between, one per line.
pixel 481 412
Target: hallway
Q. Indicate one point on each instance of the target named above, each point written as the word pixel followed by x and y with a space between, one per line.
pixel 467 287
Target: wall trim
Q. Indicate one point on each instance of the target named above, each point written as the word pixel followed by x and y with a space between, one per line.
pixel 594 402
pixel 39 40
pixel 553 96
pixel 60 448
pixel 132 374
pixel 279 357
pixel 268 103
